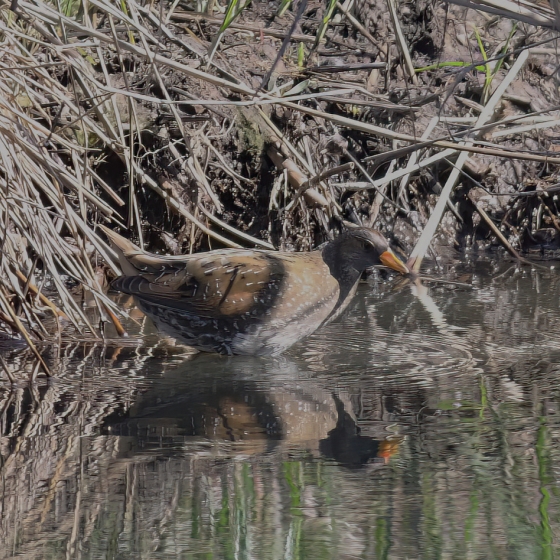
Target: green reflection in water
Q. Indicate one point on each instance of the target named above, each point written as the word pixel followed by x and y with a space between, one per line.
pixel 223 524
pixel 292 474
pixel 430 518
pixel 543 461
pixel 382 542
pixel 473 512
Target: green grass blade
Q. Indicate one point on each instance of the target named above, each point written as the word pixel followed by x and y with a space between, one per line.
pixel 235 7
pixel 284 5
pixel 301 55
pixel 506 46
pixel 325 22
pixel 488 70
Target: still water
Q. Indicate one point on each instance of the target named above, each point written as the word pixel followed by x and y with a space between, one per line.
pixel 423 424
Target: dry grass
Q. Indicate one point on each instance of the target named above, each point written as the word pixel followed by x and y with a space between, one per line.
pixel 68 102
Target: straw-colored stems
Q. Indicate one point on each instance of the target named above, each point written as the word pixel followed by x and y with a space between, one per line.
pixel 429 231
pixel 121 331
pixel 495 230
pixel 44 300
pixel 249 239
pixel 296 178
pixel 7 370
pixel 23 331
pixel 401 42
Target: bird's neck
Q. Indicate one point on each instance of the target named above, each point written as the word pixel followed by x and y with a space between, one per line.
pixel 342 267
pixel 343 264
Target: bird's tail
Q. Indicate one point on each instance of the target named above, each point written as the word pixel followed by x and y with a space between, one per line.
pixel 125 249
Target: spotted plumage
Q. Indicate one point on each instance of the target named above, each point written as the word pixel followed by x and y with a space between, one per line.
pixel 236 301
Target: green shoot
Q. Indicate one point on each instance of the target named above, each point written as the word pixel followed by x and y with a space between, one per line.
pixel 487 69
pixel 506 46
pixel 301 55
pixel 70 8
pixel 284 5
pixel 125 12
pixel 235 7
pixel 325 22
pixel 491 72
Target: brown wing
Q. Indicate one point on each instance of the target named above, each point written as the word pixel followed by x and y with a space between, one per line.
pixel 216 283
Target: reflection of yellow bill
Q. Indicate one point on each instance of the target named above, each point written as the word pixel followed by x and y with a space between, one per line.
pixel 388 258
pixel 389 447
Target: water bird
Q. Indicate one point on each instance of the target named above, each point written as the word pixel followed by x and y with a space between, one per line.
pixel 255 302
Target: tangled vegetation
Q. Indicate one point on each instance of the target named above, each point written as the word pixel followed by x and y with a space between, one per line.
pixel 199 124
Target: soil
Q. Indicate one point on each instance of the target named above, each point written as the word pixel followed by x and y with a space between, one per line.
pixel 232 143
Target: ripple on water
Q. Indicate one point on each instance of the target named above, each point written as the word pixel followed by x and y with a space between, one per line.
pixel 419 425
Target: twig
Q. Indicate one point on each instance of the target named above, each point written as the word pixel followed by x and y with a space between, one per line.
pixel 376 185
pixel 285 44
pixel 164 192
pixel 386 133
pixel 121 331
pixel 35 290
pixel 496 231
pixel 328 173
pixel 245 26
pixel 415 259
pixel 23 331
pixel 297 179
pixel 414 156
pixel 6 369
pixel 249 239
pixel 401 42
pixel 509 9
pixel 358 25
pixel 334 69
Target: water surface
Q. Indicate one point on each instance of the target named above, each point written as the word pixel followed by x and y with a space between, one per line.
pixel 423 424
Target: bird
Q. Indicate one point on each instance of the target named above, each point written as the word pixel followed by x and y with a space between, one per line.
pixel 249 301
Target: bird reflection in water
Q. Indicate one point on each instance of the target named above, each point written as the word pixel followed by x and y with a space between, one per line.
pixel 348 447
pixel 234 415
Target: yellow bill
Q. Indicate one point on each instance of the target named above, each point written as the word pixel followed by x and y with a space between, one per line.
pixel 388 258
